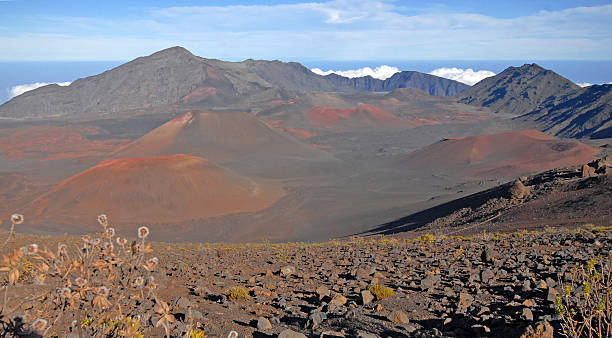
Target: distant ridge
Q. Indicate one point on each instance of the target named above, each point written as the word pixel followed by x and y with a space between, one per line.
pixel 551 102
pixel 517 90
pixel 175 76
pixel 431 84
pixel 586 112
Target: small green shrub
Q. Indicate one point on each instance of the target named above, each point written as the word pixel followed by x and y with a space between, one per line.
pixel 380 292
pixel 237 293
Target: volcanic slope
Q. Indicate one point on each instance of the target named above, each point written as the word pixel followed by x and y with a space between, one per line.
pixel 172 188
pixel 585 112
pixel 236 139
pixel 570 196
pixel 324 113
pixel 174 76
pixel 503 155
pixel 517 90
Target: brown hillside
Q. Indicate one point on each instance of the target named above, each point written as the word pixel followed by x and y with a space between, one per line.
pixel 156 189
pixel 499 155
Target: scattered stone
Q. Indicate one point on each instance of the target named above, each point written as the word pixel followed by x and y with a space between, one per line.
pixel 527 315
pixel 487 275
pixel 465 301
pixel 398 317
pixel 337 301
pixel 539 330
pixel 529 303
pixel 287 271
pixel 552 294
pixel 526 285
pixel 489 255
pixel 322 291
pixel 290 334
pixel 430 282
pixel 263 324
pixel 362 334
pixel 518 190
pixel 366 297
pixel 587 171
pixel 316 318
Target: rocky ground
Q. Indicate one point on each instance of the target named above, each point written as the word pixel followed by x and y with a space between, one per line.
pixel 484 285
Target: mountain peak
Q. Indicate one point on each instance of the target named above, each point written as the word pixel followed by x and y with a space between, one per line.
pixel 517 90
pixel 176 52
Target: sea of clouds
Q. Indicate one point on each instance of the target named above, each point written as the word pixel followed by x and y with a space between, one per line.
pixel 20 89
pixel 467 76
pixel 381 72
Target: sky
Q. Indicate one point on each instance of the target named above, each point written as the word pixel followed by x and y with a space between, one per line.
pixel 43 30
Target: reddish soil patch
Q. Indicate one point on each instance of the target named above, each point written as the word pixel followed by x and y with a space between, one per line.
pixel 157 189
pixel 199 94
pixel 304 134
pixel 366 114
pixel 53 142
pixel 500 155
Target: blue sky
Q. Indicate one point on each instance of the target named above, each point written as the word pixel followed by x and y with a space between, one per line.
pixel 46 30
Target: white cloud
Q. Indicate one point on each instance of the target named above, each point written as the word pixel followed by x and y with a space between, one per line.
pixel 467 76
pixel 381 72
pixel 20 89
pixel 586 84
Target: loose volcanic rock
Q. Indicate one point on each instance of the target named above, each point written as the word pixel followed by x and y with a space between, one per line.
pixel 398 317
pixel 290 334
pixel 587 171
pixel 518 190
pixel 366 297
pixel 539 330
pixel 263 324
pixel 287 271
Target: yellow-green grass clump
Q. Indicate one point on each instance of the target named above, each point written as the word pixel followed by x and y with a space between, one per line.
pixel 380 292
pixel 236 293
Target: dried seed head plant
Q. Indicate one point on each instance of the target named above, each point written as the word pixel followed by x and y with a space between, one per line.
pixel 95 288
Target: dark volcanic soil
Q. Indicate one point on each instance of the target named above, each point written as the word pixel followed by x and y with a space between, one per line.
pixel 560 197
pixel 486 285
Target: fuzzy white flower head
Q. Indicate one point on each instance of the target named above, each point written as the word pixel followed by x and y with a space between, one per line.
pixel 138 282
pixel 62 249
pixel 143 232
pixel 32 248
pixel 103 220
pixel 108 246
pixel 17 218
pixel 23 250
pixel 153 261
pixel 103 291
pixel 81 282
pixel 64 292
pixel 39 325
pixel 86 238
pixel 110 232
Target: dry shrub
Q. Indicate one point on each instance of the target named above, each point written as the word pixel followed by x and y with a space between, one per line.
pixel 92 289
pixel 584 305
